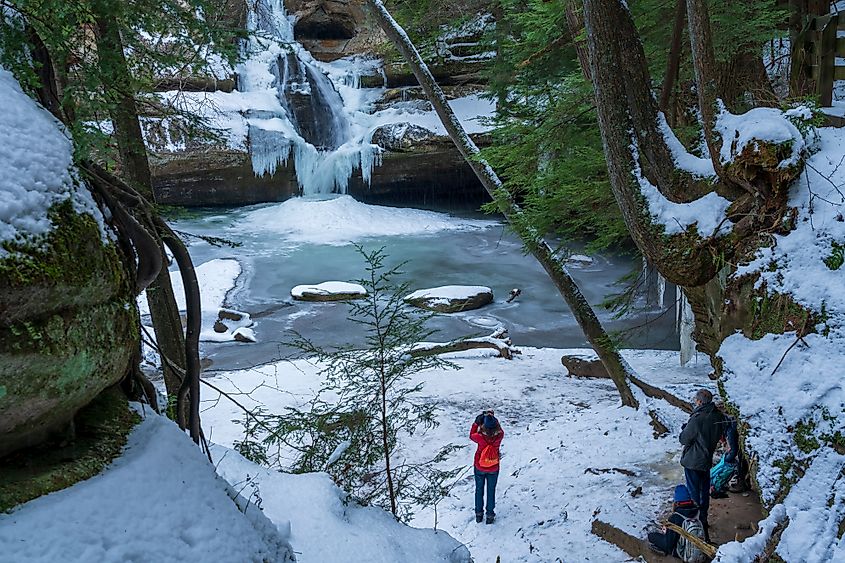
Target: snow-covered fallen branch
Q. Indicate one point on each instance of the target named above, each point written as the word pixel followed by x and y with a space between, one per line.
pixel 498 341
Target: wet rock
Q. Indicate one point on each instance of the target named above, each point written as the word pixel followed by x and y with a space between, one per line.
pixel 451 298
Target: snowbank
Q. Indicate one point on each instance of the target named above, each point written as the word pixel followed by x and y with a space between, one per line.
pixel 794 424
pixel 555 429
pixel 216 278
pixel 36 168
pixel 159 501
pixel 325 529
pixel 342 220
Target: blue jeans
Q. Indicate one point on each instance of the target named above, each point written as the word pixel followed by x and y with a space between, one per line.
pixel 698 485
pixel 490 479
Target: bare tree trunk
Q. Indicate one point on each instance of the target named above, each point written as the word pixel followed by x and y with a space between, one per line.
pixel 539 248
pixel 575 21
pixel 673 64
pixel 704 63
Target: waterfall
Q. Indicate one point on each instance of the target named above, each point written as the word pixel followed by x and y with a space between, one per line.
pixel 307 119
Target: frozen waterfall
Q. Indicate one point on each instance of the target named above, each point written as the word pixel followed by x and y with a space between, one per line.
pixel 312 122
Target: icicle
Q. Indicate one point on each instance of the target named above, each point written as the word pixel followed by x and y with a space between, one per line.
pixel 661 290
pixel 686 324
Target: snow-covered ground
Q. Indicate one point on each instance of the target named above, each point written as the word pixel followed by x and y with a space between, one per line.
pixel 563 438
pixel 215 278
pixel 802 379
pixel 159 501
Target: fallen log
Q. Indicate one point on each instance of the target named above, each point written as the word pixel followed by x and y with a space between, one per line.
pixel 498 341
pixel 583 366
pixel 633 546
pixel 195 84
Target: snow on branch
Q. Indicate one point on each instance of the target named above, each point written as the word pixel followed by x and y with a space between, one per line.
pixel 498 341
pixel 707 214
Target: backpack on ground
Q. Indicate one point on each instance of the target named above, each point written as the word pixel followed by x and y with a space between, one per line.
pixel 686 550
pixel 721 474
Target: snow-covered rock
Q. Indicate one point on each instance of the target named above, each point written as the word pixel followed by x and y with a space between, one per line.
pixel 67 330
pixel 404 137
pixel 451 298
pixel 328 291
pixel 584 365
pixel 159 501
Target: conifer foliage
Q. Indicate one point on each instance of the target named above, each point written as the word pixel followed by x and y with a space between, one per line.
pixel 369 398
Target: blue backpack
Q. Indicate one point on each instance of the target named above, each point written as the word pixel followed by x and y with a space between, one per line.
pixel 720 475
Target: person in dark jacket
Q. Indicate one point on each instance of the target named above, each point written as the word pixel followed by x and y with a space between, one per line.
pixel 487 433
pixel 700 436
pixel 683 507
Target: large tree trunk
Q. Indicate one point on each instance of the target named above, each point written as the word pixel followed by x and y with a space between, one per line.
pixel 616 366
pixel 120 96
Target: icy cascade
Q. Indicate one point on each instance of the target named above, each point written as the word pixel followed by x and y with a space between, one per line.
pixel 312 123
pixel 686 324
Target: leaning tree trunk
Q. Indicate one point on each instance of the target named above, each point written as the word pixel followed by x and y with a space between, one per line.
pixel 616 366
pixel 120 96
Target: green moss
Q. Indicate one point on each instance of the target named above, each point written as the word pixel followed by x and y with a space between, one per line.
pixel 804 437
pixel 776 314
pixel 837 256
pixel 101 430
pixel 70 256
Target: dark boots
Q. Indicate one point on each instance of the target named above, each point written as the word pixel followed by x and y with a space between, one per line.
pixel 490 518
pixel 479 516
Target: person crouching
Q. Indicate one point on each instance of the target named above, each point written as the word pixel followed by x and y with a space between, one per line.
pixel 487 433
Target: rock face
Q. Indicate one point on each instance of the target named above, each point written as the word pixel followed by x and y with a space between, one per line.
pixel 68 328
pixel 584 366
pixel 451 298
pixel 331 29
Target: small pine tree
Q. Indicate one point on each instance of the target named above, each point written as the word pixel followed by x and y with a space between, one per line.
pixel 351 429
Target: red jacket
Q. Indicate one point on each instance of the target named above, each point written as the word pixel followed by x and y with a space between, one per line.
pixel 483 441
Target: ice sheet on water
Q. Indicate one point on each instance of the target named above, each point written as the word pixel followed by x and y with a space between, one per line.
pixel 342 220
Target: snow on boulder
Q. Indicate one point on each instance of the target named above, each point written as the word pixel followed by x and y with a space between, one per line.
pixel 451 298
pixel 36 169
pixel 67 330
pixel 579 260
pixel 329 291
pixel 404 137
pixel 583 365
pixel 159 501
pixel 326 528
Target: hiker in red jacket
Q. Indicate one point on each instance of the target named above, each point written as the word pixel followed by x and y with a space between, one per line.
pixel 487 433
